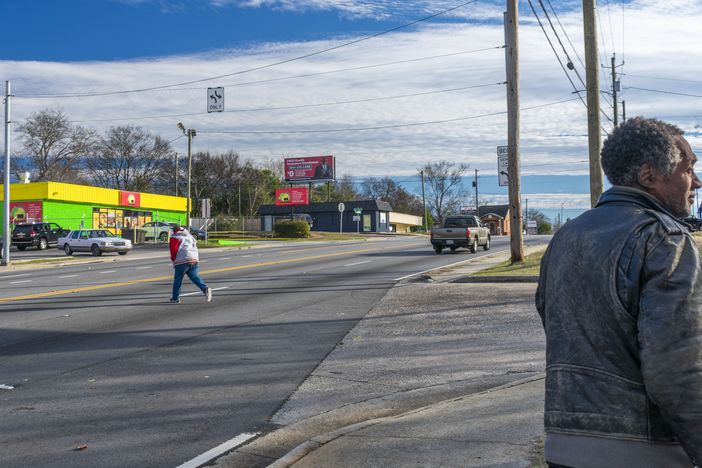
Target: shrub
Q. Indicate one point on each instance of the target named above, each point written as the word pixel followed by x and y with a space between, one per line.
pixel 291 229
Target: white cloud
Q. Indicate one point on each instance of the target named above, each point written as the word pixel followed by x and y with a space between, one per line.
pixel 657 42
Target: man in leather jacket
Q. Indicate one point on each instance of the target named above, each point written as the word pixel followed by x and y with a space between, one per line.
pixel 620 297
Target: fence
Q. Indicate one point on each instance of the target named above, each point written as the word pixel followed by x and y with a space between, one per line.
pixel 228 224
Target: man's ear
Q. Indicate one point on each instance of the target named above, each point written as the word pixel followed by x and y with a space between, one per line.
pixel 647 176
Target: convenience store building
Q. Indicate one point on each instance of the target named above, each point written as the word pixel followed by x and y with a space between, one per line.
pixel 70 205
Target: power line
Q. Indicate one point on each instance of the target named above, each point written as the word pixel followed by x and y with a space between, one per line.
pixel 666 79
pixel 383 126
pixel 356 41
pixel 664 92
pixel 299 106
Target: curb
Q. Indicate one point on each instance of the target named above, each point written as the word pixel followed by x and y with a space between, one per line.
pixel 314 443
pixel 498 279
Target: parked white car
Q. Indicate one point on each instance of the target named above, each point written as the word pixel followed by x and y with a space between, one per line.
pixel 95 241
pixel 157 229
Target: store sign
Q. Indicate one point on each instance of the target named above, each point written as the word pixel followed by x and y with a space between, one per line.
pixel 130 198
pixel 316 169
pixel 25 211
pixel 291 196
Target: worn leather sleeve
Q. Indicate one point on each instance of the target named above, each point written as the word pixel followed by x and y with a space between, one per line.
pixel 670 331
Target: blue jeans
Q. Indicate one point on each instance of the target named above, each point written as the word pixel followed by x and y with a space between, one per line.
pixel 182 270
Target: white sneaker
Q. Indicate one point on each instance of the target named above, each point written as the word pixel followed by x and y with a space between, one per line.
pixel 208 294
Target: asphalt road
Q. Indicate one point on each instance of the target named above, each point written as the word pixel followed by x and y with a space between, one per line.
pixel 104 360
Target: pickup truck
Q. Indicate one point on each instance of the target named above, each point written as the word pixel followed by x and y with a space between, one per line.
pixel 460 231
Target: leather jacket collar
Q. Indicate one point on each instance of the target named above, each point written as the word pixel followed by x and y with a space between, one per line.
pixel 620 193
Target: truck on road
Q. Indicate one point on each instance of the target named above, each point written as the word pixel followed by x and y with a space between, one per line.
pixel 460 231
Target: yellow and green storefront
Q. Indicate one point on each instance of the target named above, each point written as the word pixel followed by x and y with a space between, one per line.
pixel 70 205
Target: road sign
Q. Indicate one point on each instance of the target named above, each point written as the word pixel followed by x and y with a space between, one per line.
pixel 215 99
pixel 502 150
pixel 341 207
pixel 205 207
pixel 356 218
pixel 502 172
pixel 357 210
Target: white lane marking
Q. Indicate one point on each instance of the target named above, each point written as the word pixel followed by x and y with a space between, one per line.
pixel 225 258
pixel 220 449
pixel 25 281
pixel 110 271
pixel 245 256
pixel 203 261
pixel 352 264
pixel 68 276
pixel 445 266
pixel 200 292
pixel 142 268
pixel 15 276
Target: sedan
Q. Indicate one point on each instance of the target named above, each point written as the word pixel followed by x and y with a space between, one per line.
pixel 95 241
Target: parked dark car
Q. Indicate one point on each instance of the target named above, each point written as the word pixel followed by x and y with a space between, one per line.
pixel 196 233
pixel 302 217
pixel 693 222
pixel 40 235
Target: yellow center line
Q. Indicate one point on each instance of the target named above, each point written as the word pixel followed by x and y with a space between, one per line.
pixel 126 283
pixel 319 248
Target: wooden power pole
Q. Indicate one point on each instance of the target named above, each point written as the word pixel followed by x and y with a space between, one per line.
pixel 593 101
pixel 511 18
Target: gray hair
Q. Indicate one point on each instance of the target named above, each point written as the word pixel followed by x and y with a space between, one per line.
pixel 636 142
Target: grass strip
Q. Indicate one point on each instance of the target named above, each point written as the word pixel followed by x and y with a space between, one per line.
pixel 530 266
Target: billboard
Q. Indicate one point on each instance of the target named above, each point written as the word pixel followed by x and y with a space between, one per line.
pixel 25 212
pixel 291 196
pixel 314 169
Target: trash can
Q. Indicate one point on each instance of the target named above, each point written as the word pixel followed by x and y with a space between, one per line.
pixel 130 233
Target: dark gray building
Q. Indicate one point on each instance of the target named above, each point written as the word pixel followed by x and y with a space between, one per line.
pixel 375 216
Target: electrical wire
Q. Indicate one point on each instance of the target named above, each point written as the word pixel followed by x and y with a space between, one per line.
pixel 312 54
pixel 566 34
pixel 383 126
pixel 665 79
pixel 561 43
pixel 52 96
pixel 297 107
pixel 561 63
pixel 664 92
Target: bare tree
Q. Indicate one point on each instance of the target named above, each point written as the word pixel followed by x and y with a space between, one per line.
pixel 54 146
pixel 390 191
pixel 128 158
pixel 444 190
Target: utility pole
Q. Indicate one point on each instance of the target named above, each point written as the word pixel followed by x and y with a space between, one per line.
pixel 623 111
pixel 475 184
pixel 176 174
pixel 6 188
pixel 615 88
pixel 424 202
pixel 511 20
pixel 593 101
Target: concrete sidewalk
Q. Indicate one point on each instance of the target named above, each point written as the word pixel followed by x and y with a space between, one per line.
pixel 431 377
pixel 501 428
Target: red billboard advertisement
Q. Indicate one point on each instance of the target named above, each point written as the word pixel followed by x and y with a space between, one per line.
pixel 291 196
pixel 314 169
pixel 130 198
pixel 25 211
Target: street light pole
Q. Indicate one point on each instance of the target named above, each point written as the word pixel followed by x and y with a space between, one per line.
pixel 6 191
pixel 191 134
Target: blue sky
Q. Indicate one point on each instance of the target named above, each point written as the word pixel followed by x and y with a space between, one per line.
pixel 383 106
